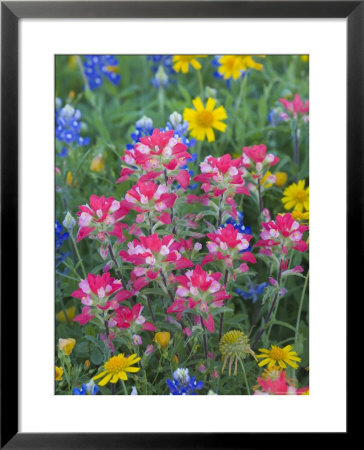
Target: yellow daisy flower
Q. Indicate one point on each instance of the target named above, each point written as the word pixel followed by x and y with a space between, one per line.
pixel 66 345
pixel 232 66
pixel 116 368
pixel 182 62
pixel 280 356
pixel 202 120
pixel 58 373
pixel 296 196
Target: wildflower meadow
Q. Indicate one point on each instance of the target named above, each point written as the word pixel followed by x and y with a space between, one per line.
pixel 182 225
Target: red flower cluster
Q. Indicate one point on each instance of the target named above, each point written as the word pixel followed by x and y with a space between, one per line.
pixel 199 291
pixel 95 293
pixel 228 244
pixel 284 232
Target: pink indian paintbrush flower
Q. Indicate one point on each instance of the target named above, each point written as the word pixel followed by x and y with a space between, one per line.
pixel 162 152
pixel 297 106
pixel 199 291
pixel 280 385
pixel 222 175
pixel 96 291
pixel 152 255
pixel 227 244
pixel 149 197
pixel 125 318
pixel 283 233
pixel 101 211
pixel 257 160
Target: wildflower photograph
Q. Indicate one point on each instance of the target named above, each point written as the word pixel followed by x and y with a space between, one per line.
pixel 181 225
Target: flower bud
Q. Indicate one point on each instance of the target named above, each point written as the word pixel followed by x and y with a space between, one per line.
pixel 66 345
pixel 162 337
pixel 69 222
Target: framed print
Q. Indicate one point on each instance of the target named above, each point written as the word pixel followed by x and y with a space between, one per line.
pixel 174 147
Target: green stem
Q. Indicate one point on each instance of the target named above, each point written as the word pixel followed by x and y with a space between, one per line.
pixel 300 308
pixel 124 387
pixel 241 93
pixel 64 311
pixel 296 155
pixel 79 62
pixel 245 378
pixel 198 152
pixel 161 102
pixel 78 256
pixel 261 207
pixel 200 82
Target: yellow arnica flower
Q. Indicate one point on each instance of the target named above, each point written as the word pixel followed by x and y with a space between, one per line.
pixel 59 373
pixel 300 216
pixel 234 345
pixel 232 66
pixel 202 120
pixel 162 337
pixel 281 178
pixel 70 314
pixel 296 196
pixel 97 164
pixel 280 356
pixel 66 345
pixel 182 62
pixel 116 368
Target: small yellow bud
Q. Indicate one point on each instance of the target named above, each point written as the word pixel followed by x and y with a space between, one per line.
pixel 97 164
pixel 59 373
pixel 87 363
pixel 175 359
pixel 72 62
pixel 66 345
pixel 69 178
pixel 162 337
pixel 305 58
pixel 70 314
pixel 281 179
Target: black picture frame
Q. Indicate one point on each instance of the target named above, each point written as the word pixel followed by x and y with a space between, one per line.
pixel 11 12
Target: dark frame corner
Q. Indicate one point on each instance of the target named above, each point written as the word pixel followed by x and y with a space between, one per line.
pixel 11 12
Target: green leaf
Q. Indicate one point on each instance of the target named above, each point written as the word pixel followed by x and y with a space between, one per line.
pixel 96 356
pixel 279 322
pixel 82 350
pixel 185 93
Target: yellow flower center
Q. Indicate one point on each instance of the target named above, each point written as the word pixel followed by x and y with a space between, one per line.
pixel 234 342
pixel 277 353
pixel 301 195
pixel 231 62
pixel 116 364
pixel 232 336
pixel 204 119
pixel 186 58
